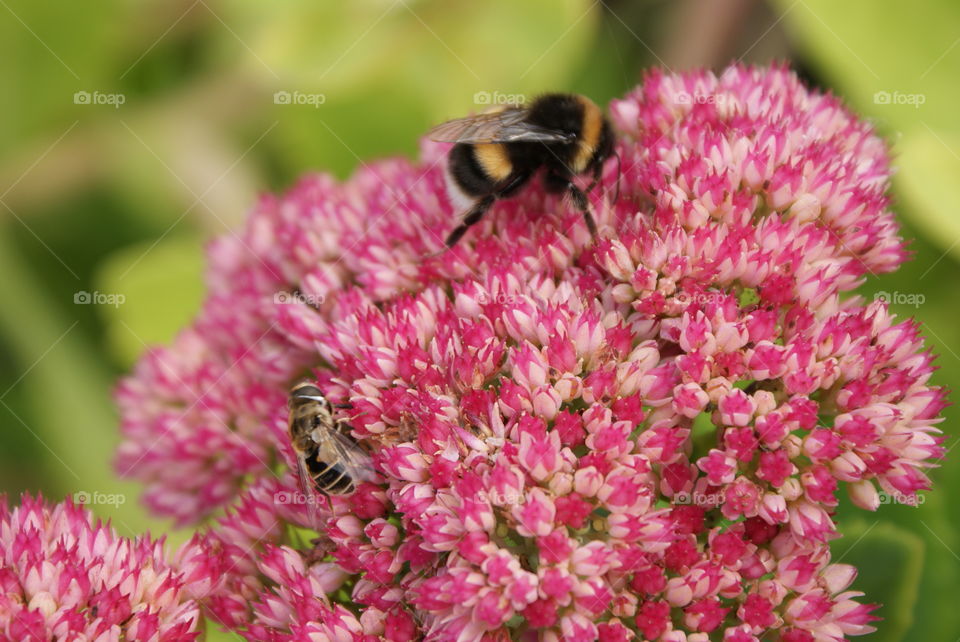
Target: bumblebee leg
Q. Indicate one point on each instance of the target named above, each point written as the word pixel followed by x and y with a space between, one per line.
pixel 582 203
pixel 556 182
pixel 597 174
pixel 475 214
pixel 503 190
pixel 512 184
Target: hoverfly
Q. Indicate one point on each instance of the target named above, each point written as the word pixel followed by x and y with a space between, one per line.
pixel 328 459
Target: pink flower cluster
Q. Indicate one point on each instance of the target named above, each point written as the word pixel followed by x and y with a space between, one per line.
pixel 64 577
pixel 639 436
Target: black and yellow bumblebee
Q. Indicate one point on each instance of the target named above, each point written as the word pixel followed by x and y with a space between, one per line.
pixel 498 151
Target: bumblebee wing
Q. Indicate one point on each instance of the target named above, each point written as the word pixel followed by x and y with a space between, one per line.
pixel 505 126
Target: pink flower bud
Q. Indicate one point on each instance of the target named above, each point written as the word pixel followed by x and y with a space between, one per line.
pixel 535 515
pixel 864 494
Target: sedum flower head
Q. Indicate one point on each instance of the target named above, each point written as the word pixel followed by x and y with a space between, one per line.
pixel 639 436
pixel 64 576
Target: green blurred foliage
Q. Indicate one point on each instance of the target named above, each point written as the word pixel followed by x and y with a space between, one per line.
pixel 119 201
pixel 161 289
pixel 893 583
pixel 891 61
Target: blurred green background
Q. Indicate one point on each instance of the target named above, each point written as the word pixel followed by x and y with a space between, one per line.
pixel 133 131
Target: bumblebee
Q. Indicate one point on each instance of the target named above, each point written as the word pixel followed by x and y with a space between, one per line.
pixel 497 152
pixel 328 460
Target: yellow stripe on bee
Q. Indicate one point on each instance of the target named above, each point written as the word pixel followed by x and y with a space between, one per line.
pixel 589 134
pixel 494 160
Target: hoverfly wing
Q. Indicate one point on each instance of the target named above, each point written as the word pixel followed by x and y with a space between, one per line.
pixel 357 464
pixel 505 126
pixel 309 489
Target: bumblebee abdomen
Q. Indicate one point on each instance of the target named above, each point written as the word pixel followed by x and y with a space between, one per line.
pixel 591 131
pixel 494 159
pixel 467 173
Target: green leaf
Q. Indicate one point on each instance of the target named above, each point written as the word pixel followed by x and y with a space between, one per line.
pixel 60 49
pixel 889 560
pixel 339 135
pixel 67 389
pixel 446 51
pixel 934 613
pixel 156 290
pixel 214 634
pixel 899 67
pixel 704 435
pixel 928 183
pixel 865 47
